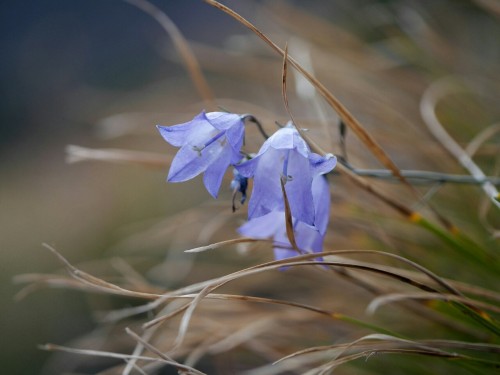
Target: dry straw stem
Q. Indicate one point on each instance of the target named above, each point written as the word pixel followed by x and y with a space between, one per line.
pixel 138 350
pixel 303 260
pixel 395 297
pixel 421 269
pixel 205 290
pixel 92 281
pixel 389 344
pixel 183 369
pixel 290 233
pixel 76 154
pixel 425 177
pixel 125 357
pixel 39 281
pixel 387 340
pixel 434 93
pixel 216 245
pixel 182 46
pixel 206 287
pixel 347 117
pixel 481 138
pixel 101 285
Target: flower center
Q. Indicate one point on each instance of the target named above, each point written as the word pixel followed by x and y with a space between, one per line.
pixel 208 143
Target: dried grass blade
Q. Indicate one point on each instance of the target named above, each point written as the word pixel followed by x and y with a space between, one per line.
pixel 241 336
pixel 217 245
pixel 284 73
pixel 186 318
pixel 182 46
pixel 98 353
pixel 219 282
pixel 482 137
pixel 395 297
pixel 245 298
pixel 153 349
pixel 94 282
pixel 288 217
pixel 328 368
pixel 484 347
pixel 163 318
pixel 284 94
pixel 390 345
pixel 434 93
pixel 138 350
pixel 76 154
pixel 38 282
pixel 342 111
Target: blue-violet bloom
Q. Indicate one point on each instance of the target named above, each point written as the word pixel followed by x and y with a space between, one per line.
pixel 209 143
pixel 309 239
pixel 285 155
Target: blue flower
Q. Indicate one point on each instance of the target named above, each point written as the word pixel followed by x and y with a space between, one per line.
pixel 308 238
pixel 209 143
pixel 285 155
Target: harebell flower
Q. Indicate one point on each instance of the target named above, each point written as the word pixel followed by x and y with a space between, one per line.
pixel 208 144
pixel 308 238
pixel 285 156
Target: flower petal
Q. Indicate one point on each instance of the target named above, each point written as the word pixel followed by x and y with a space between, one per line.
pixel 234 136
pixel 298 188
pixel 300 145
pixel 178 135
pixel 215 171
pixel 321 197
pixel 308 238
pixel 189 162
pixel 266 195
pixel 282 248
pixel 281 139
pixel 247 168
pixel 263 227
pixel 223 120
pixel 322 164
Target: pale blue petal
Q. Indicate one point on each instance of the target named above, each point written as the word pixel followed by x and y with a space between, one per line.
pixel 282 247
pixel 298 188
pixel 300 145
pixel 178 135
pixel 281 139
pixel 321 197
pixel 247 168
pixel 234 136
pixel 267 195
pixel 308 238
pixel 322 164
pixel 223 120
pixel 189 163
pixel 263 227
pixel 215 171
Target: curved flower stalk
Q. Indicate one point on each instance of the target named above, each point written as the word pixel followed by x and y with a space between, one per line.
pixel 208 144
pixel 307 237
pixel 285 155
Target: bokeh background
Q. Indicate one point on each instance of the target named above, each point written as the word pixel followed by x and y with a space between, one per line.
pixel 102 74
pixel 67 65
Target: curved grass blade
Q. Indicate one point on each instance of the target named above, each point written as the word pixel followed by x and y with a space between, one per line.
pixel 182 46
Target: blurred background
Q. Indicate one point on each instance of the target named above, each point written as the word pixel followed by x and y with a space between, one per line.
pixel 102 74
